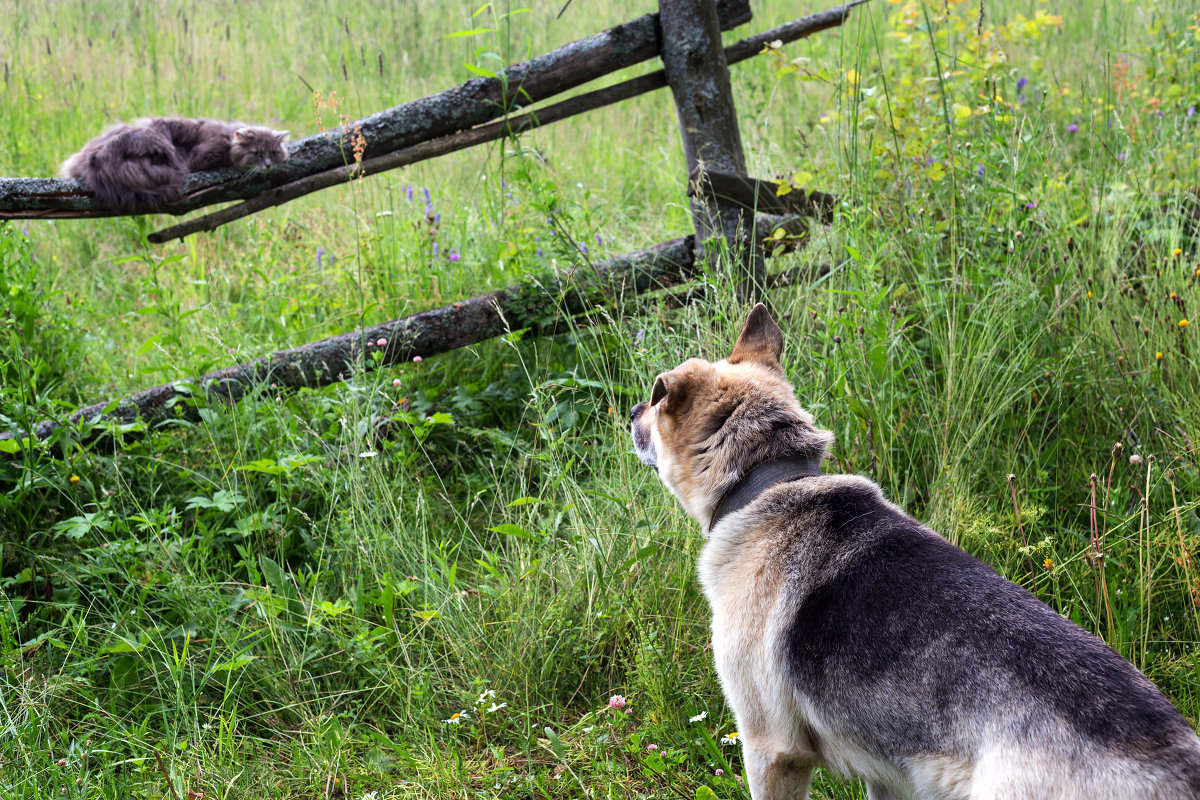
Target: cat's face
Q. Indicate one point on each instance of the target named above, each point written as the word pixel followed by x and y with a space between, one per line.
pixel 257 148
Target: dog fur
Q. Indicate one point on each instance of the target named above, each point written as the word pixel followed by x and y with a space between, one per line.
pixel 847 634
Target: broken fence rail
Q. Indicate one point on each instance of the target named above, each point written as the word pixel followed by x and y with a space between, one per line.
pixel 530 304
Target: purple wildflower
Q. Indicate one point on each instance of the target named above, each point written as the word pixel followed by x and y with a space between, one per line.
pixel 1120 156
pixel 599 241
pixel 425 191
pixel 539 251
pixel 320 255
pixel 1022 83
pixel 1031 205
pixel 583 249
pixel 980 170
pixel 454 255
pixel 408 193
pixel 435 249
pixel 1072 128
pixel 930 161
pixel 1191 111
pixel 437 219
pixel 1021 99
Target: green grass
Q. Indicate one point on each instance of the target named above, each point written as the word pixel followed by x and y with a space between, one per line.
pixel 282 602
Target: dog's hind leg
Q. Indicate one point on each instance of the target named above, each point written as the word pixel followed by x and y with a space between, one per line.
pixel 776 776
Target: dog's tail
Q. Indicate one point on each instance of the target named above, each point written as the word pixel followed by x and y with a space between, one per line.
pixel 129 168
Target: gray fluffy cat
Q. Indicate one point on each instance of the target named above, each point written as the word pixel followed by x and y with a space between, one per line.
pixel 144 165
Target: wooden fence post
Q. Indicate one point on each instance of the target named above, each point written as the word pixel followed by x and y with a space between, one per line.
pixel 694 61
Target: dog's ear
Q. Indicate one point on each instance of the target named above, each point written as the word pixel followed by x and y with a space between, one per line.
pixel 760 342
pixel 675 390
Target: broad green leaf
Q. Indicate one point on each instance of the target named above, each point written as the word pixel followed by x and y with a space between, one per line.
pixel 556 744
pixel 508 529
pixel 480 71
pixel 471 32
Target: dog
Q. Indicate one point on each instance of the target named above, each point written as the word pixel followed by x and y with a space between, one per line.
pixel 848 635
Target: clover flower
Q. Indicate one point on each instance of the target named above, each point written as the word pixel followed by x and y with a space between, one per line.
pixel 616 701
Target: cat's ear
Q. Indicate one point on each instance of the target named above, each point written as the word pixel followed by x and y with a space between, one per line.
pixel 281 135
pixel 241 135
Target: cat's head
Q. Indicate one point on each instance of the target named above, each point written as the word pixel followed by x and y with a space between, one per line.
pixel 257 148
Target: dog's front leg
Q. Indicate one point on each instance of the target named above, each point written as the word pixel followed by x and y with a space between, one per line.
pixel 773 775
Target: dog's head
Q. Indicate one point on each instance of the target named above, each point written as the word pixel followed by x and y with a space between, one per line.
pixel 708 423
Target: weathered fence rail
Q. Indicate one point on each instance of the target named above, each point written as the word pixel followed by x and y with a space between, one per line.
pixel 530 304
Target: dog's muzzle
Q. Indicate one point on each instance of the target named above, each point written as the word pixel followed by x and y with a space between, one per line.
pixel 643 444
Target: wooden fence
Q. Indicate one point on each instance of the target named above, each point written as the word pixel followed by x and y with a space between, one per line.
pixel 727 204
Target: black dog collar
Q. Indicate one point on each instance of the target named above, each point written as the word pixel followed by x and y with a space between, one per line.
pixel 761 478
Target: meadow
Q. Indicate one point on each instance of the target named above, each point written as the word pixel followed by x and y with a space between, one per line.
pixel 436 580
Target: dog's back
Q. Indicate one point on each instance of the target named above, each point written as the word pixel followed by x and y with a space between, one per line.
pixel 963 683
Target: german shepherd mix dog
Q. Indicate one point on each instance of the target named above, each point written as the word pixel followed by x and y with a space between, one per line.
pixel 849 635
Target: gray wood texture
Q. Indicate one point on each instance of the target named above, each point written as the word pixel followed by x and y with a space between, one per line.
pixel 698 74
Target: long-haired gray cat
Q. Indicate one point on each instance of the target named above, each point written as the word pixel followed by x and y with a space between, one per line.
pixel 143 165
